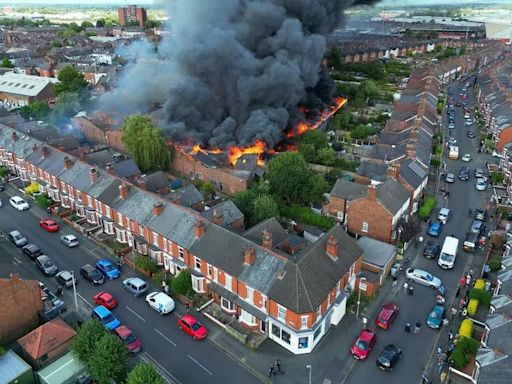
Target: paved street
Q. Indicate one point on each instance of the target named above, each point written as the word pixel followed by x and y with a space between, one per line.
pixel 180 357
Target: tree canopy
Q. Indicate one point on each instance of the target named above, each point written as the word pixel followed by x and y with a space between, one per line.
pixel 263 207
pixel 6 63
pixel 37 110
pixel 109 360
pixel 84 344
pixel 145 143
pixel 70 80
pixel 100 23
pixel 144 373
pixel 68 104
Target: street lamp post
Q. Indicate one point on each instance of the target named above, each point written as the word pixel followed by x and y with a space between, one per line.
pixel 309 368
pixel 361 279
pixel 74 291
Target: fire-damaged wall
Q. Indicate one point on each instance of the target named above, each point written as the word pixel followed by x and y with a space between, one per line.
pixel 226 180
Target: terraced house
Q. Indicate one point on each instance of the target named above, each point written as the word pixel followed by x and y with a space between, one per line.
pixel 275 282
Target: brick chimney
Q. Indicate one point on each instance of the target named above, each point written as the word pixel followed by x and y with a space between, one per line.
pixel 34 148
pixel 372 192
pixel 218 218
pixel 158 208
pixel 123 191
pixel 249 256
pixel 332 247
pixel 394 171
pixel 410 151
pixel 45 150
pixel 93 174
pixel 266 239
pixel 199 228
pixel 67 162
pixel 142 182
pixel 14 136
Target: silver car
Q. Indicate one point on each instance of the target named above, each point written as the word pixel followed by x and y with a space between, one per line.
pixel 135 285
pixel 46 265
pixel 69 241
pixel 17 238
pixel 423 277
pixel 480 184
pixel 65 278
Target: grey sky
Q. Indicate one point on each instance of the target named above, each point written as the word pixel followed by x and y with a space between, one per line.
pixel 74 2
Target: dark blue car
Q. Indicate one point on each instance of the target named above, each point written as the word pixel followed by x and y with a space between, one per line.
pixel 435 229
pixel 108 269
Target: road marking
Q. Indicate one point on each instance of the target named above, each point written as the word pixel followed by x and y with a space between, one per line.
pixel 148 358
pixel 201 365
pixel 17 260
pixel 135 313
pixel 165 337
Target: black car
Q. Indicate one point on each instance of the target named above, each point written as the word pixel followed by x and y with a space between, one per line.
pixel 2 186
pixel 32 251
pixel 471 134
pixel 480 214
pixel 432 250
pixel 464 173
pixel 389 357
pixel 91 274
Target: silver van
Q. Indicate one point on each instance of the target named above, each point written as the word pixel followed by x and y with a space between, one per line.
pixel 17 238
pixel 135 285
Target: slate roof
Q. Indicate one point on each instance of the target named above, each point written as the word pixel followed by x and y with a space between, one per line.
pixel 375 171
pixel 272 225
pixel 495 366
pixel 126 168
pixel 155 181
pixel 11 367
pixel 188 195
pixel 413 172
pixel 392 195
pixel 230 212
pixel 349 190
pixel 376 252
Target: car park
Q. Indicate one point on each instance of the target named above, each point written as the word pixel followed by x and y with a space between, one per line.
pixel 105 317
pixel 423 277
pixel 449 178
pixel 18 203
pixel 17 238
pixel 443 215
pixel 434 229
pixel 432 250
pixel 389 357
pixel 467 157
pixel 130 341
pixel 135 285
pixel 480 214
pixel 69 241
pixel 435 318
pixel 91 274
pixel 65 278
pixel 387 315
pixel 32 251
pixel 108 269
pixel 464 174
pixel 160 302
pixel 49 225
pixel 480 185
pixel 468 123
pixel 470 134
pixel 46 265
pixel 105 299
pixel 192 327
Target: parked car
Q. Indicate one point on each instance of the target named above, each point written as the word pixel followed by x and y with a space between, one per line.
pixel 364 343
pixel 49 225
pixel 18 203
pixel 17 238
pixel 435 318
pixel 135 285
pixel 2 186
pixel 470 134
pixel 65 278
pixel 478 227
pixel 131 342
pixel 46 265
pixel 387 315
pixel 1 204
pixel 452 141
pixel 449 178
pixel 479 173
pixel 69 241
pixel 435 229
pixel 108 269
pixel 423 277
pixel 160 302
pixel 480 214
pixel 467 157
pixel 105 299
pixel 389 357
pixel 480 184
pixel 443 215
pixel 432 250
pixel 464 173
pixel 451 126
pixel 105 317
pixel 192 327
pixel 32 251
pixel 91 274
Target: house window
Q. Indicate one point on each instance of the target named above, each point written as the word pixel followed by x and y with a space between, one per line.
pixel 80 209
pixel 107 212
pixel 181 254
pixel 91 216
pixel 210 271
pixel 247 318
pixel 319 313
pixel 215 274
pixel 228 282
pixel 197 263
pixel 264 303
pixel 285 336
pixel 304 321
pixel 276 331
pixel 156 256
pixel 250 295
pixel 120 219
pixel 281 313
pixel 155 239
pixel 365 227
pixel 227 305
pixel 303 342
pixel 65 201
pixel 121 236
pixel 141 231
pixel 198 284
pixel 108 227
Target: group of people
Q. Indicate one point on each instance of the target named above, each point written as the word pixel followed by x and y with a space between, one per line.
pixel 275 369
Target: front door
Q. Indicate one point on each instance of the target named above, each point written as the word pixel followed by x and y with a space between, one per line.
pixel 263 327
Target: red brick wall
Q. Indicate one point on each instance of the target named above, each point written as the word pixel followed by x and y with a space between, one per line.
pixel 370 211
pixel 505 137
pixel 22 298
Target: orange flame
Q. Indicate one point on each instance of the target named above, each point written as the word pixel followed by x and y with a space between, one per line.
pixel 258 148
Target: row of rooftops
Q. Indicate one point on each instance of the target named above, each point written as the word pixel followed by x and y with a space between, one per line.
pixel 299 283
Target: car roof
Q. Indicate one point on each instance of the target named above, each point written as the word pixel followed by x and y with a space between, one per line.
pixel 135 281
pixel 367 334
pixel 189 319
pixel 88 267
pixel 65 274
pixel 43 257
pixel 104 261
pixel 15 232
pixel 102 311
pixel 123 331
pixel 387 310
pixel 105 294
pixel 32 246
pixel 444 210
pixel 69 237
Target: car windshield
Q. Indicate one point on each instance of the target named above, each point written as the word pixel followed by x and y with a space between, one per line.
pixel 384 360
pixel 96 274
pixel 446 257
pixel 129 339
pixel 361 344
pixel 435 315
pixel 18 237
pixel 108 319
pixel 109 267
pixel 48 263
pixel 195 326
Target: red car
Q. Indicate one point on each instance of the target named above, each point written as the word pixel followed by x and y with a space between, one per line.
pixel 191 326
pixel 49 225
pixel 363 344
pixel 105 299
pixel 387 315
pixel 131 342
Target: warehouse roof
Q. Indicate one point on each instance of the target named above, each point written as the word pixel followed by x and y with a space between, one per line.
pixel 24 85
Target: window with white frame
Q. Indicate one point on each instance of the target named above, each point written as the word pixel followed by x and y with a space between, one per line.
pixel 108 212
pixel 181 254
pixel 319 313
pixel 227 305
pixel 304 321
pixel 281 313
pixel 155 239
pixel 209 270
pixel 91 216
pixel 119 219
pixel 121 236
pixel 197 264
pixel 264 303
pixel 80 209
pixel 250 295
pixel 247 318
pixel 141 231
pixel 365 227
pixel 66 203
pixel 228 282
pixel 156 256
pixel 198 284
pixel 215 274
pixel 108 227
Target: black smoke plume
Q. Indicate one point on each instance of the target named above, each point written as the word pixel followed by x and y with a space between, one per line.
pixel 234 71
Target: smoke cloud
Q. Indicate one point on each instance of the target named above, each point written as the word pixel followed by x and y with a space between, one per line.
pixel 231 72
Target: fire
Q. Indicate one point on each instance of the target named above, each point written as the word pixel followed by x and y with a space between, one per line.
pixel 258 148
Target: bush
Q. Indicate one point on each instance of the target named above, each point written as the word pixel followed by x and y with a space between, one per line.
pixel 43 201
pixel 182 284
pixel 429 203
pixel 481 295
pixel 307 216
pixel 74 217
pixel 3 171
pixel 494 265
pixel 160 276
pixel 472 307
pixel 466 328
pixel 146 264
pixel 497 177
pixel 465 348
pixel 479 284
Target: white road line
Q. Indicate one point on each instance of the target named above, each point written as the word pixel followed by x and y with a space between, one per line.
pixel 148 358
pixel 135 313
pixel 201 365
pixel 165 337
pixel 18 260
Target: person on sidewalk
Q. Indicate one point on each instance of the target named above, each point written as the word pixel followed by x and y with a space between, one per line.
pixel 463 281
pixel 407 327
pixel 457 292
pixel 278 366
pixel 395 281
pixel 271 371
pixel 406 286
pixel 417 327
pixel 450 335
pixel 453 312
pixel 424 378
pixel 439 351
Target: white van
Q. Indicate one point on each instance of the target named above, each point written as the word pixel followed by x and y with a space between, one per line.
pixel 454 152
pixel 160 302
pixel 448 253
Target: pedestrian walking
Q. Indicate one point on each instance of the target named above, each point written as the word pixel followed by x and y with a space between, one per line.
pixel 166 289
pixel 278 366
pixel 468 280
pixel 462 281
pixel 450 335
pixel 457 292
pixel 424 378
pixel 439 351
pixel 406 286
pixel 446 322
pixel 271 371
pixel 164 283
pixel 411 290
pixel 462 302
pixel 407 327
pixel 187 306
pixel 464 312
pixel 470 212
pixel 395 281
pixel 454 312
pixel 417 327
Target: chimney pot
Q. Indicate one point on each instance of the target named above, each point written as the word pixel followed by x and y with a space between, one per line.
pixel 266 239
pixel 14 136
pixel 332 247
pixel 394 171
pixel 93 175
pixel 249 256
pixel 372 192
pixel 199 228
pixel 123 191
pixel 218 217
pixel 67 162
pixel 158 208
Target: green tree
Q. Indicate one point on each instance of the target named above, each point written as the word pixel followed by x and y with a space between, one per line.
pixel 264 207
pixel 145 143
pixel 439 48
pixel 182 284
pixel 6 63
pixel 70 80
pixel 334 57
pixel 362 132
pixel 86 24
pixel 68 104
pixel 289 177
pixel 326 156
pixel 315 137
pixel 84 343
pixel 316 189
pixel 100 23
pixel 243 200
pixel 308 152
pixel 109 360
pixel 75 27
pixel 463 49
pixel 37 110
pixel 149 24
pixel 144 373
